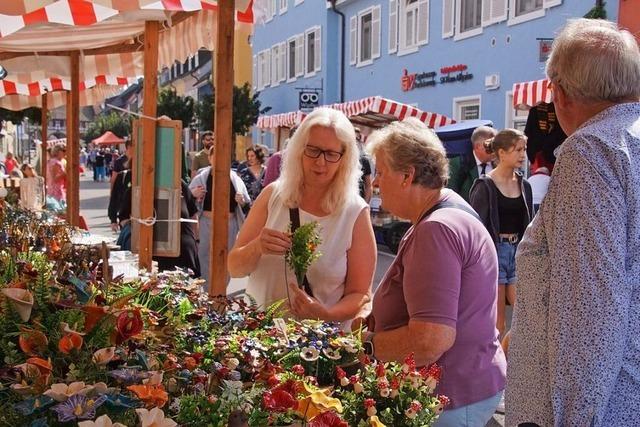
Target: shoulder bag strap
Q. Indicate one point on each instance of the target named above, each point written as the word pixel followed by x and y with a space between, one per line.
pixel 294 217
pixel 454 205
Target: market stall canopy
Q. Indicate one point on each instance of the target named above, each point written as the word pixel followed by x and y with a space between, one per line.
pixel 36 37
pixel 108 138
pixel 88 97
pixel 530 94
pixel 373 112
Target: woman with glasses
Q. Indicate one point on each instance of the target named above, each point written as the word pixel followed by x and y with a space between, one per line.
pixel 319 180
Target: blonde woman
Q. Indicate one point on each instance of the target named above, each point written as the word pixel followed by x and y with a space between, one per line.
pixel 319 177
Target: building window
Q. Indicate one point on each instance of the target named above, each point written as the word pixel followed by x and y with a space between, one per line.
pixel 410 24
pixel 312 42
pixel 365 37
pixel 470 15
pixel 291 59
pixel 264 69
pixel 514 117
pixel 413 28
pixel 466 108
pixel 527 6
pixel 284 4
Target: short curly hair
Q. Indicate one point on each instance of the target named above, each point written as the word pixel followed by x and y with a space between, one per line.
pixel 410 143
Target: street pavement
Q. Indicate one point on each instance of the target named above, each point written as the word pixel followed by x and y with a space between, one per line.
pixel 94 201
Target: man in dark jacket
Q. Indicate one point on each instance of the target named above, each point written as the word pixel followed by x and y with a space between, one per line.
pixel 465 169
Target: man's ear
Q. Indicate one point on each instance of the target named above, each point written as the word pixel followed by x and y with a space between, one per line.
pixel 560 97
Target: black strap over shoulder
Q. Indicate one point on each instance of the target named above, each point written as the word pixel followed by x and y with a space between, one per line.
pixel 294 217
pixel 447 204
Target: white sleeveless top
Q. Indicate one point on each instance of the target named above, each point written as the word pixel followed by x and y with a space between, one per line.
pixel 327 274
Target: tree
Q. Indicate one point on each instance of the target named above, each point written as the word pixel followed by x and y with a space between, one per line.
pixel 121 126
pixel 246 109
pixel 598 11
pixel 176 107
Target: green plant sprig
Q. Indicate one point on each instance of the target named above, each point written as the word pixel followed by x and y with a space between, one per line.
pixel 304 249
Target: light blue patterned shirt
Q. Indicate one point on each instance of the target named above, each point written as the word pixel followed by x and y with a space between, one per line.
pixel 575 351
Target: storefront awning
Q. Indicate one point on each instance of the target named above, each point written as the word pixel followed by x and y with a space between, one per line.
pixel 373 112
pixel 530 94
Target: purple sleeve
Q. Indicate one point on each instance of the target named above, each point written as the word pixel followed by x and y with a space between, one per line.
pixel 273 169
pixel 432 274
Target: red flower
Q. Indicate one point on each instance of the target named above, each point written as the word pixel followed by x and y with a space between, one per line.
pixel 444 400
pixel 278 401
pixel 410 362
pixel 340 373
pixel 328 419
pixel 380 371
pixel 289 386
pixel 298 370
pixel 369 403
pixel 129 324
pixel 354 379
pixel 432 371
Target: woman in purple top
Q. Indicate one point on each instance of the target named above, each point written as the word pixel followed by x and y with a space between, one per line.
pixel 438 298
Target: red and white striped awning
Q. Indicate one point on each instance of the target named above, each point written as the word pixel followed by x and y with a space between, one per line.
pixel 41 87
pixel 90 96
pixel 530 94
pixel 373 111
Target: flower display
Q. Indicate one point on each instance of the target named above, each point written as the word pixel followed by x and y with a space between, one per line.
pixel 78 407
pixel 303 251
pixel 151 395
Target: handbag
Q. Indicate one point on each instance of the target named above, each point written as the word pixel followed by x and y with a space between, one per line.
pixel 294 217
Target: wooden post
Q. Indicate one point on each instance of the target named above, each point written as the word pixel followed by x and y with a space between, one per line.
pixel 147 174
pixel 73 142
pixel 43 153
pixel 223 133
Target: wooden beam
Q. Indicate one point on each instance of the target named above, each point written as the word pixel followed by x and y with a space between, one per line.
pixel 43 148
pixel 147 174
pixel 224 136
pixel 73 143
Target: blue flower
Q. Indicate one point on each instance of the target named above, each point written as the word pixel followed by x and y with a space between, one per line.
pixel 121 402
pixel 128 375
pixel 78 407
pixel 33 404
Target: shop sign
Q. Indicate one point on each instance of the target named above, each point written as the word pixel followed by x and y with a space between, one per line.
pixel 544 49
pixel 308 100
pixel 461 76
pixel 427 79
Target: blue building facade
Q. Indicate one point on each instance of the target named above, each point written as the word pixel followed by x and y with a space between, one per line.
pixel 459 58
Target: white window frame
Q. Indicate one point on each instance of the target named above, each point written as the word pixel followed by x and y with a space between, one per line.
pixel 298 2
pixel 317 48
pixel 514 20
pixel 403 48
pixel 275 65
pixel 288 50
pixel 282 71
pixel 510 115
pixel 283 6
pixel 360 15
pixel 463 101
pixel 458 23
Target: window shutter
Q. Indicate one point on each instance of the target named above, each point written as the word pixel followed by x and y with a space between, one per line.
pixel 283 62
pixel 393 26
pixel 274 65
pixel 317 61
pixel 448 9
pixel 255 72
pixel 274 7
pixel 267 67
pixel 375 32
pixel 300 55
pixel 423 22
pixel 283 6
pixel 353 31
pixel 486 12
pixel 550 3
pixel 498 10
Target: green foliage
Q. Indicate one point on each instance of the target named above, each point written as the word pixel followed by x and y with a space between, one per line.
pixel 246 109
pixel 119 125
pixel 176 107
pixel 598 11
pixel 304 243
pixel 197 410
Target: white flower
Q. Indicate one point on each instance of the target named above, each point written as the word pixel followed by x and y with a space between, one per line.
pixel 431 384
pixel 358 388
pixel 371 411
pixel 394 393
pixel 104 356
pixel 310 354
pixel 344 381
pixel 103 421
pixel 410 413
pixel 232 363
pixel 349 345
pixel 154 418
pixel 331 353
pixel 155 379
pixel 61 392
pixel 384 392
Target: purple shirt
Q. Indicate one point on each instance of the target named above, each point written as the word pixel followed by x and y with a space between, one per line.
pixel 446 272
pixel 273 169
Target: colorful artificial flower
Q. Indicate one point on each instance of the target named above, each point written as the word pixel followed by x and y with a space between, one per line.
pixel 298 370
pixel 154 418
pixel 102 421
pixel 310 354
pixel 78 407
pixel 409 364
pixel 328 419
pixel 375 422
pixel 151 395
pixel 342 376
pixel 370 405
pixel 32 341
pixel 412 411
pixel 61 391
pixel 104 356
pixel 33 404
pixel 333 354
pixel 93 315
pixel 128 375
pixel 278 401
pixel 317 402
pixel 128 324
pixel 70 341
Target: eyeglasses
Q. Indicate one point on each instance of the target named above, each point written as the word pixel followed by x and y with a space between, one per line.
pixel 329 155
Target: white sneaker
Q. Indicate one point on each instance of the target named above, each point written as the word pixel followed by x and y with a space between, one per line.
pixel 500 407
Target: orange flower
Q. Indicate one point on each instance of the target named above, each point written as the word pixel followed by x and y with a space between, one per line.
pixel 190 363
pixel 151 395
pixel 70 342
pixel 32 341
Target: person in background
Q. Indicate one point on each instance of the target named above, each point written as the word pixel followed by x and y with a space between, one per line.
pixel 122 162
pixel 108 159
pixel 57 174
pixel 319 182
pixel 92 160
pixel 121 182
pixel 28 171
pixel 201 159
pixel 253 174
pixel 575 356
pixel 275 161
pixel 202 189
pixel 100 166
pixel 539 181
pixel 504 201
pixel 464 170
pixel 366 189
pixel 437 300
pixel 83 160
pixel 10 163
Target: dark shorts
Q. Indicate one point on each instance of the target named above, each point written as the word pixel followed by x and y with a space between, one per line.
pixel 507 263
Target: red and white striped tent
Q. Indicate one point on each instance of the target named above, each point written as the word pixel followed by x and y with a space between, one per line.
pixel 35 36
pixel 373 112
pixel 530 94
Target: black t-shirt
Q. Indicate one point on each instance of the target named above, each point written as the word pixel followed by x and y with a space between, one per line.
pixel 366 171
pixel 99 160
pixel 119 163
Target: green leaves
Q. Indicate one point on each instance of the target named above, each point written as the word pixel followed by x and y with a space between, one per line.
pixel 304 244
